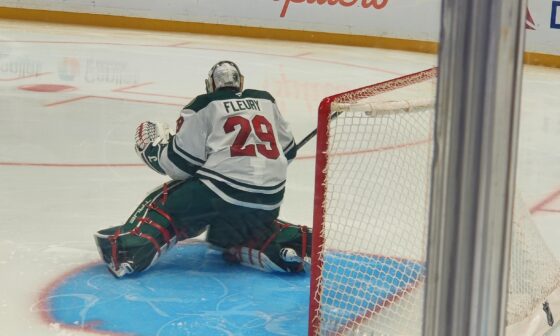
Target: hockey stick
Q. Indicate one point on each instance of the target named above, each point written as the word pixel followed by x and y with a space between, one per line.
pixel 314 132
pixel 379 109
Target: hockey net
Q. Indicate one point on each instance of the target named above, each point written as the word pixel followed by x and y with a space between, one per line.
pixel 372 190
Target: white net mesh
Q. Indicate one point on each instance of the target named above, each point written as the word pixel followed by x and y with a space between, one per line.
pixel 534 272
pixel 378 171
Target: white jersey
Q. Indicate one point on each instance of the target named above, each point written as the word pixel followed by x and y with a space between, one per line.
pixel 237 143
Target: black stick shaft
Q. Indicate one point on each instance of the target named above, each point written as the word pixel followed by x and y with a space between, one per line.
pixel 314 133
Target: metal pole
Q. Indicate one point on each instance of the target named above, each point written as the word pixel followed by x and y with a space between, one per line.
pixel 476 129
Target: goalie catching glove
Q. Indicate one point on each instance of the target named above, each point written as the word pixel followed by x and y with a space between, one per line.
pixel 151 138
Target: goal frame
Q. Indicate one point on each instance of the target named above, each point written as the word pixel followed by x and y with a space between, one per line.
pixel 325 116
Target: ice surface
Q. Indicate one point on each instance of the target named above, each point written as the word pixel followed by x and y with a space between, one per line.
pixel 67 162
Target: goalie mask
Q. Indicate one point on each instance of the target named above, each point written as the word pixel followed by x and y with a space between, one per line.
pixel 224 74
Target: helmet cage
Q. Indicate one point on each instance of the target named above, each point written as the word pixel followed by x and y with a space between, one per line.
pixel 210 81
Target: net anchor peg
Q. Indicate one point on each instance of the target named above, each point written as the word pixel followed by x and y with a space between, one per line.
pixel 548 312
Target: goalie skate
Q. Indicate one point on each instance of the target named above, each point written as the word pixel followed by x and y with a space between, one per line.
pixel 279 253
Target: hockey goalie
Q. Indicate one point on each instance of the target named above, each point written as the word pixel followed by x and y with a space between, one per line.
pixel 227 160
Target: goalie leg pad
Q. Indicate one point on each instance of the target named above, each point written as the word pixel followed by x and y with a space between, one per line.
pixel 126 253
pixel 171 213
pixel 147 234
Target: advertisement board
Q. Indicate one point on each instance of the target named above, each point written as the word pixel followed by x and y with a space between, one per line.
pixel 402 19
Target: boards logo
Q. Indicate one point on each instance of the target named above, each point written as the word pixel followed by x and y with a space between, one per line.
pixel 376 4
pixel 555 15
pixel 69 68
pixel 529 22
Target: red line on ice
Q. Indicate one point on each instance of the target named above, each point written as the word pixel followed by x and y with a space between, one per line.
pixel 179 46
pixel 543 203
pixel 549 210
pixel 60 102
pixel 111 98
pixel 126 89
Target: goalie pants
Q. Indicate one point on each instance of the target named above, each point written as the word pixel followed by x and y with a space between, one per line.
pixel 183 209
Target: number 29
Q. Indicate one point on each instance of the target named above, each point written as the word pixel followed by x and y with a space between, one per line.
pixel 261 127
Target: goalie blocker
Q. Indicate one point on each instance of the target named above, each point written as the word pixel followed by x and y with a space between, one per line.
pixel 185 209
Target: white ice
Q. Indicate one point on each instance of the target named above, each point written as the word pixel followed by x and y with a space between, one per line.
pixel 67 163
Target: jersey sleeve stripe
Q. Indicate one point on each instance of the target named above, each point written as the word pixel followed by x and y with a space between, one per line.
pixel 232 200
pixel 290 145
pixel 205 172
pixel 193 159
pixel 180 162
pixel 291 151
pixel 250 199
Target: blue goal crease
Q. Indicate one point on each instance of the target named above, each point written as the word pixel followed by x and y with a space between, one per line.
pixel 192 291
